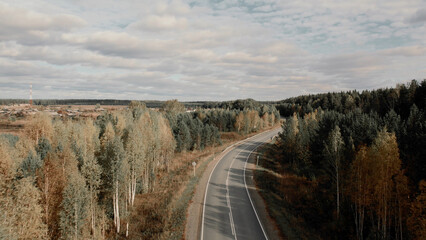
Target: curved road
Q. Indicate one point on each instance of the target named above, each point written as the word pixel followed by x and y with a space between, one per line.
pixel 228 211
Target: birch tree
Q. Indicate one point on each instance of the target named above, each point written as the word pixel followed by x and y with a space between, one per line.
pixel 74 208
pixel 88 144
pixel 51 182
pixel 39 126
pixel 135 156
pixel 112 173
pixel 387 163
pixel 333 151
pixel 360 189
pixel 28 212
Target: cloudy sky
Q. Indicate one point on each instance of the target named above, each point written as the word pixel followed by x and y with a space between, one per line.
pixel 207 50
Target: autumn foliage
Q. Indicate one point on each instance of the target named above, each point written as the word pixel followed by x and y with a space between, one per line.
pixel 98 178
pixel 356 169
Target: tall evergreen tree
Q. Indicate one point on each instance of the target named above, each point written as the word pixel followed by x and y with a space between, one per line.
pixel 75 206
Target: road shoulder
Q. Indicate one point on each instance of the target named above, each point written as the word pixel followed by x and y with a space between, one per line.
pixel 268 223
pixel 195 209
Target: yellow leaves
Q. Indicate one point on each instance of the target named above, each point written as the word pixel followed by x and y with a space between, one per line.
pixel 417 220
pixel 360 183
pixel 39 126
pixel 377 181
pixel 173 106
pixel 248 121
pixel 121 123
pixel 239 121
pixel 28 212
pixel 265 120
pixel 6 161
pixel 109 134
pixel 295 124
pixel 384 155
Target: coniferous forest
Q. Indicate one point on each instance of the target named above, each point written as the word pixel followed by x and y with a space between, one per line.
pixel 81 178
pixel 352 165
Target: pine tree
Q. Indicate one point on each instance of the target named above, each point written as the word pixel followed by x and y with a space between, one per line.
pixel 31 164
pixel 43 148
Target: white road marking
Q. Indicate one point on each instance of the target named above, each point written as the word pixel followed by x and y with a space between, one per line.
pixel 248 194
pixel 231 219
pixel 211 173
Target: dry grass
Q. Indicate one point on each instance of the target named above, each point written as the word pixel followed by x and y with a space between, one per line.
pixel 286 195
pixel 162 215
pixel 12 127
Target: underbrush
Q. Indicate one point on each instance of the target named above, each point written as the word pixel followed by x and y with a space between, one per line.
pixel 162 214
pixel 286 196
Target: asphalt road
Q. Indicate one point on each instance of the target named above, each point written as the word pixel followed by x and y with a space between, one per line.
pixel 228 211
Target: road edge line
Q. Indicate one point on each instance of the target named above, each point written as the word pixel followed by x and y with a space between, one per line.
pixel 211 173
pixel 248 193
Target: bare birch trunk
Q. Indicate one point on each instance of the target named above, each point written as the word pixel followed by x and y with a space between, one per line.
pixel 134 188
pixel 92 211
pixel 75 221
pixel 337 192
pixel 46 195
pixel 127 230
pixel 115 211
pixel 117 207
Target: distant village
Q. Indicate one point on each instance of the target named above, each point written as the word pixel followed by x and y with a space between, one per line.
pixel 23 110
pixel 71 111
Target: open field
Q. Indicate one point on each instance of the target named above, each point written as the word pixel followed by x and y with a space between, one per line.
pixel 13 118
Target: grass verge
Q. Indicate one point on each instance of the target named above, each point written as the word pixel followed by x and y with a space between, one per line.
pixel 162 213
pixel 278 200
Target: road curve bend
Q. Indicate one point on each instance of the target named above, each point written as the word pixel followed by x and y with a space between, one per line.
pixel 228 210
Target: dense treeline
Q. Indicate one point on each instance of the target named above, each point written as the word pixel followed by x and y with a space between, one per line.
pixel 237 104
pixel 47 102
pixel 400 99
pixel 361 159
pixel 195 130
pixel 78 179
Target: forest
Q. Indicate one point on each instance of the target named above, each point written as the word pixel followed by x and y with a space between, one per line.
pixel 352 164
pixel 81 178
pixel 46 102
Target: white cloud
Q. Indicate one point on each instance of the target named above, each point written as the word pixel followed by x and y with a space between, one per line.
pixel 22 25
pixel 122 44
pixel 409 51
pixel 242 57
pixel 197 50
pixel 160 23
